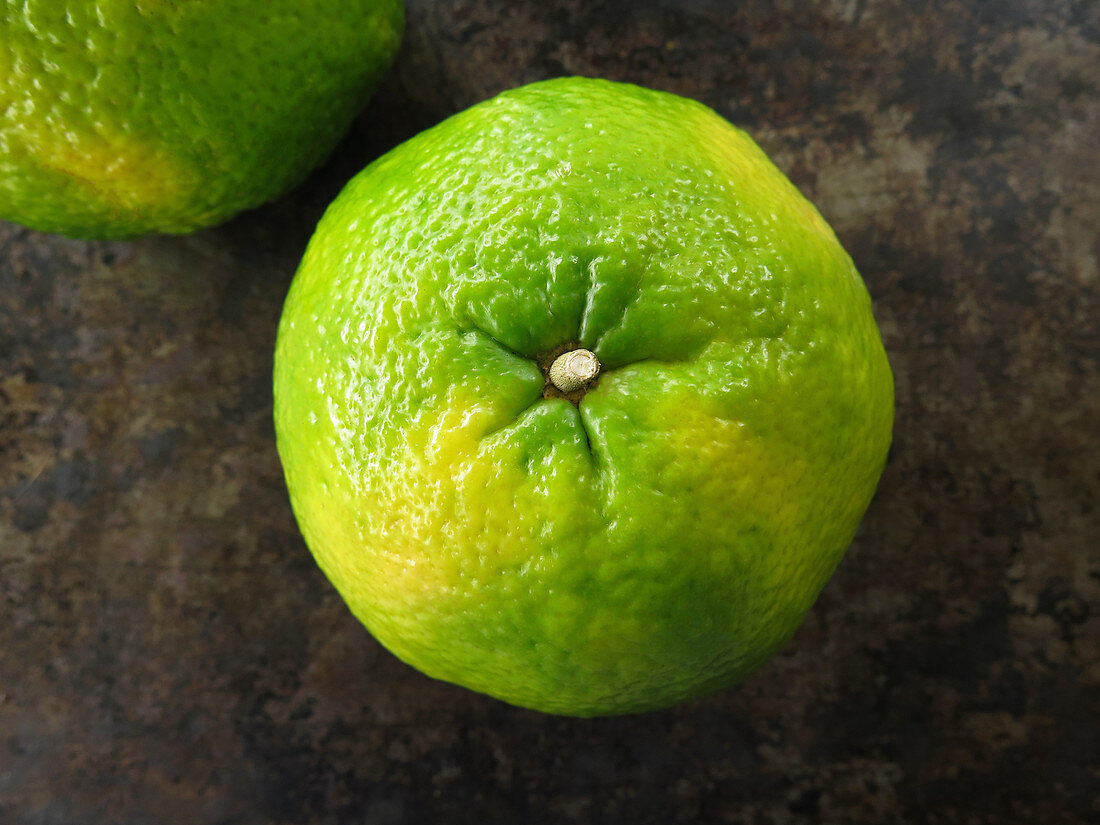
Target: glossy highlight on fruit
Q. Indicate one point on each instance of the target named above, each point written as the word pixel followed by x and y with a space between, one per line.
pixel 649 536
pixel 120 117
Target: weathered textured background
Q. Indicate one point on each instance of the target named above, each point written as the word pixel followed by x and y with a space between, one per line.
pixel 170 654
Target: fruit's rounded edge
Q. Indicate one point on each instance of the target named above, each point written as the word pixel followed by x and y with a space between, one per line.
pixel 383 57
pixel 97 218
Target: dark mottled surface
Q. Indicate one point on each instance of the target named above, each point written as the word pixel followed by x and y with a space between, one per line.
pixel 169 653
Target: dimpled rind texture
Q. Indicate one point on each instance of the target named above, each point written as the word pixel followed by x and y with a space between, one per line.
pixel 121 118
pixel 664 537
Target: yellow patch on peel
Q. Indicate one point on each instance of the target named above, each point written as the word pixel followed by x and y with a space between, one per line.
pixel 124 173
pixel 768 486
pixel 418 508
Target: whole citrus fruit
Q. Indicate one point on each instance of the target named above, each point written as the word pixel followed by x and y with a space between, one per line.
pixel 120 118
pixel 501 515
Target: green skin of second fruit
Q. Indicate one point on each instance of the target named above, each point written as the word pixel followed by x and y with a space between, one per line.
pixel 664 535
pixel 121 118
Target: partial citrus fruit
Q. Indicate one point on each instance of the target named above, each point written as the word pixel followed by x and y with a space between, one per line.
pixel 503 512
pixel 121 118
